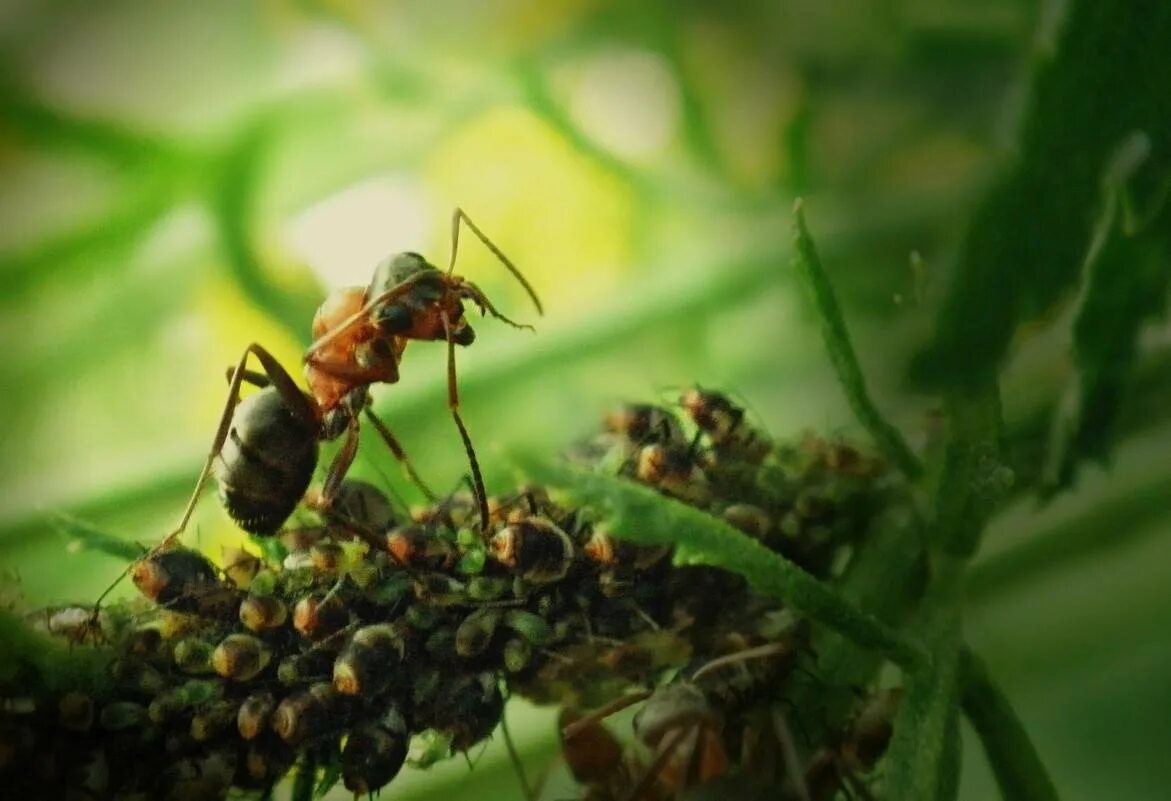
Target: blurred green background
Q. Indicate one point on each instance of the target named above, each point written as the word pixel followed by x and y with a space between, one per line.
pixel 178 180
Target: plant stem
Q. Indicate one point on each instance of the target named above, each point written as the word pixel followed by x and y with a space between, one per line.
pixel 919 761
pixel 1011 754
pixel 841 350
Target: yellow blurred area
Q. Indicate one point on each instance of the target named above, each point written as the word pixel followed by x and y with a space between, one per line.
pixel 566 221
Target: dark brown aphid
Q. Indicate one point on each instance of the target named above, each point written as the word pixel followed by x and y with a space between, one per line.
pixel 418 546
pixel 240 657
pixel 675 470
pixel 643 424
pixel 307 714
pixel 723 422
pixel 374 753
pixel 367 664
pixel 608 551
pixel 183 580
pixel 261 612
pixel 535 548
pixel 254 714
pixel 318 616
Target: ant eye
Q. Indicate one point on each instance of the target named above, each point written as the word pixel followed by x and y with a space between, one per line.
pixel 393 319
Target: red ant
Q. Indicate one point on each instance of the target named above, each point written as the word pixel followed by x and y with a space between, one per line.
pixel 265 449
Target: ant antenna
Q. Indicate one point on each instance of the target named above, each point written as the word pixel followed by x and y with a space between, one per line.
pixel 459 216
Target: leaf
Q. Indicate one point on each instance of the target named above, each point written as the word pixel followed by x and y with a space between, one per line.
pixel 1127 278
pixel 1024 248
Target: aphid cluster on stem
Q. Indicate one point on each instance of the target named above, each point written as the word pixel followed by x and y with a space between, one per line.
pixel 354 636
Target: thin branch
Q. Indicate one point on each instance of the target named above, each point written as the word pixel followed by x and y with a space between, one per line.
pixel 841 350
pixel 1011 754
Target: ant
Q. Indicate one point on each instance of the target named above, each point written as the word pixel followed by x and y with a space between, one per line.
pixel 265 448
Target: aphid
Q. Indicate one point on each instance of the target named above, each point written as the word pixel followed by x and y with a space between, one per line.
pixel 306 714
pixel 252 718
pixel 183 580
pixel 474 633
pixel 723 422
pixel 466 709
pixel 419 546
pixel 318 616
pixel 193 655
pixel 535 548
pixel 366 664
pixel 610 552
pixel 261 612
pixel 212 720
pixel 675 470
pixel 643 424
pixel 374 753
pixel 240 657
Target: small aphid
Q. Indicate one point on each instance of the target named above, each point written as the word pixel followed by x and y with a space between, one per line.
pixel 122 715
pixel 474 634
pixel 487 588
pixel 179 579
pixel 75 712
pixel 327 557
pixel 723 422
pixel 535 548
pixel 643 424
pixel 608 551
pixel 752 520
pixel 262 612
pixel 252 718
pixel 517 654
pixel 212 720
pixel 374 753
pixel 137 676
pixel 366 664
pixel 263 763
pixel 193 655
pixel 318 616
pixel 675 471
pixel 240 566
pixel 240 657
pixel 466 709
pixel 417 546
pixel 532 627
pixel 306 714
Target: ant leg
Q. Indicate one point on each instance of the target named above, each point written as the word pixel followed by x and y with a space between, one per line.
pixel 453 405
pixel 340 465
pixel 298 404
pixel 789 757
pixel 397 449
pixel 459 216
pixel 250 376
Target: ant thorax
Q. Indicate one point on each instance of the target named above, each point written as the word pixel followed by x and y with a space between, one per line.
pixel 363 354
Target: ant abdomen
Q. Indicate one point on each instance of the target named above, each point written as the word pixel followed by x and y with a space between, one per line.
pixel 266 463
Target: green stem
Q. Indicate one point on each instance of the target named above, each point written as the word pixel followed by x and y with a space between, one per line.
pixel 841 350
pixel 919 767
pixel 1011 754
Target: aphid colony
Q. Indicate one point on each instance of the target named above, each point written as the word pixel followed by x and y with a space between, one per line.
pixel 352 638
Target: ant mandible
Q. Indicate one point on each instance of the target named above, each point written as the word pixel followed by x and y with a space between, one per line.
pixel 266 445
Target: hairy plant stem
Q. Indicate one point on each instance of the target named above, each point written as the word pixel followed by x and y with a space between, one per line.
pixel 841 350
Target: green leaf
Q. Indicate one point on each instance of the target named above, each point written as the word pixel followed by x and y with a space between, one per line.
pixel 1127 278
pixel 1023 251
pixel 841 350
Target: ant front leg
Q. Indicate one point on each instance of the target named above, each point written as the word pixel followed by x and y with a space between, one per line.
pixel 274 374
pixel 453 405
